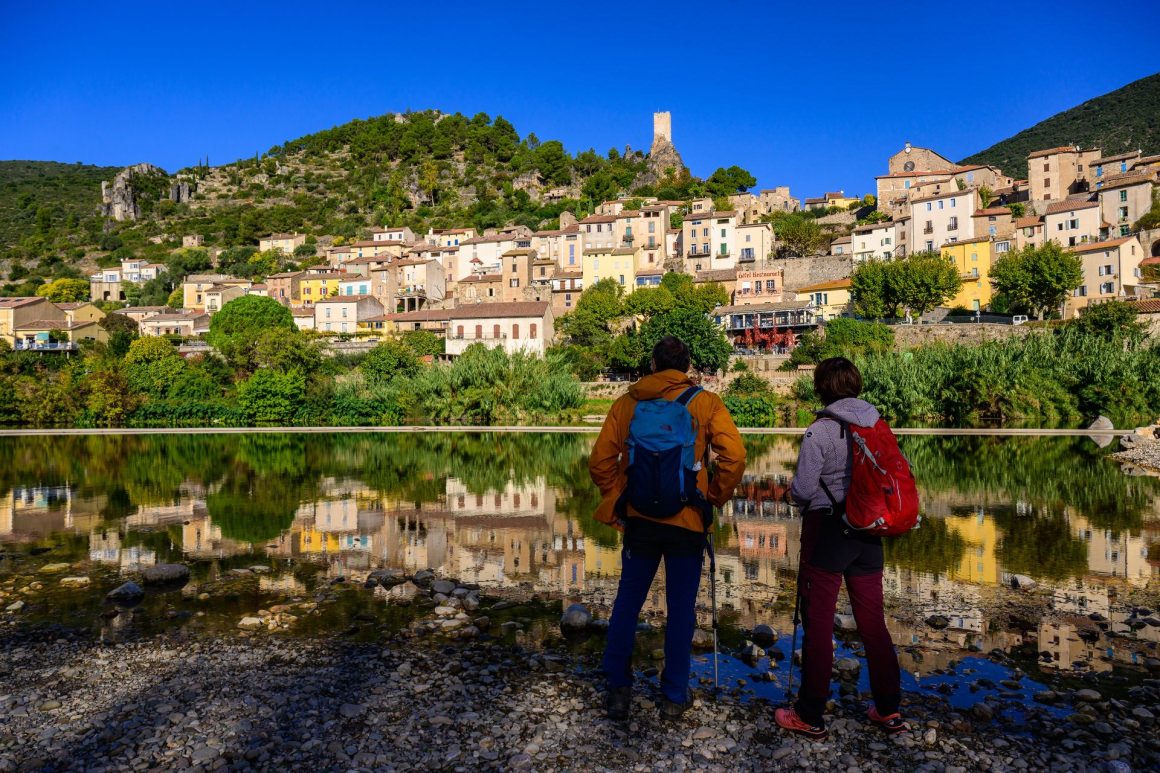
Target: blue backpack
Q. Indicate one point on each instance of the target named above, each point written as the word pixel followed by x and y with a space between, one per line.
pixel 662 463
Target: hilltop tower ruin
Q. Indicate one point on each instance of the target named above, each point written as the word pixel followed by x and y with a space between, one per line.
pixel 663 154
pixel 662 126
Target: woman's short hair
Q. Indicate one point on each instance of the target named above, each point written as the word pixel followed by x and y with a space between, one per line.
pixel 836 378
pixel 671 353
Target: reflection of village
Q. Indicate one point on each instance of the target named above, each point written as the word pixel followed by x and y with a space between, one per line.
pixel 518 539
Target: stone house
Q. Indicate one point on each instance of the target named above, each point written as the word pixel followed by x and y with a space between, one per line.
pixel 1110 271
pixel 564 246
pixel 566 289
pixel 936 220
pixel 994 221
pixel 403 234
pixel 525 326
pixel 219 295
pixel 480 288
pixel 341 314
pixel 843 245
pixel 874 241
pixel 449 237
pixel 1029 231
pixel 185 323
pixel 192 240
pixel 193 289
pixel 1072 222
pixel 709 237
pixel 284 243
pixel 284 287
pixel 916 159
pixel 1110 166
pixel 1057 173
pixel 754 243
pixel 1123 200
pixel 419 283
pixel 599 232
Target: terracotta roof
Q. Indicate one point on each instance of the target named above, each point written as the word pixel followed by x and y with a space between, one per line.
pixel 482 278
pixel 285 275
pixel 1067 205
pixel 833 284
pixel 303 312
pixel 842 240
pixel 329 275
pixel 651 272
pixel 975 240
pixel 1050 151
pixel 259 287
pixel 387 230
pixel 1029 221
pixel 626 250
pixel 709 214
pixel 1094 246
pixel 1120 157
pixel 411 262
pixel 599 219
pixel 1127 179
pixel 489 239
pixel 568 275
pixel 281 236
pixel 15 303
pixel 992 211
pixel 52 324
pixel 918 173
pixel 627 213
pixel 1149 306
pixel 517 253
pixel 716 275
pixel 757 307
pixel 511 309
pixel 71 306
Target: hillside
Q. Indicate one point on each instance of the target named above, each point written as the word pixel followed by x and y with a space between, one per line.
pixel 35 196
pixel 419 169
pixel 1119 121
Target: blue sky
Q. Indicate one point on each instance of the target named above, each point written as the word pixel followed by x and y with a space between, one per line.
pixel 811 95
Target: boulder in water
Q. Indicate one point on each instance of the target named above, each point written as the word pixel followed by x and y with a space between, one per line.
pixel 575 620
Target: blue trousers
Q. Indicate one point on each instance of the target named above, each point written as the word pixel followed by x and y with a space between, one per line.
pixel 682 576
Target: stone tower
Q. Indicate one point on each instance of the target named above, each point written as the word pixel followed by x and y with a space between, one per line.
pixel 663 126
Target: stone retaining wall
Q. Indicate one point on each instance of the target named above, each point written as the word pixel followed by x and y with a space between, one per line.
pixel 910 336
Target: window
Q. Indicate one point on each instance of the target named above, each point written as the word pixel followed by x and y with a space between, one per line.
pixel 953 224
pixel 479 331
pixel 705 248
pixel 459 331
pixel 974 256
pixel 1123 195
pixel 328 312
pixel 940 204
pixel 652 227
pixel 532 335
pixel 622 279
pixel 495 331
pixel 929 246
pixel 1123 213
pixel 1125 230
pixel 991 230
pixel 1080 292
pixel 771 285
pixel 1002 246
pixel 952 203
pixel 595 265
pixel 1123 166
pixel 705 232
pixel 1107 288
pixel 928 206
pixel 748 238
pixel 722 233
pixel 515 332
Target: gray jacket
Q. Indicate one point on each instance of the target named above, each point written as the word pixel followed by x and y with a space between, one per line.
pixel 824 453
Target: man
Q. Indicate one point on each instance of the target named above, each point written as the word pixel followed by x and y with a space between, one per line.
pixel 680 540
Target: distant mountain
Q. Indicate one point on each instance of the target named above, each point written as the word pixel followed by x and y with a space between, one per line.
pixel 1123 120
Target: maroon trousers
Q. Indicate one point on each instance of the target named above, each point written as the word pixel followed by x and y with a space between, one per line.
pixel 832 552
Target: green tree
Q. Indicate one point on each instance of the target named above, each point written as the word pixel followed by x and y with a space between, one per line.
pixel 1038 279
pixel 235 329
pixel 725 182
pixel 423 343
pixel 647 302
pixel 272 397
pixel 986 196
pixel 108 396
pixel 65 290
pixel 389 360
pixel 799 235
pixel 122 331
pixel 152 366
pixel 922 280
pixel 176 299
pixel 1112 321
pixel 709 348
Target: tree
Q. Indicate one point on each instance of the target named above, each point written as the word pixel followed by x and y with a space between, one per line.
pixel 725 182
pixel 1038 279
pixel 235 329
pixel 688 295
pixel 272 397
pixel 647 302
pixel 122 332
pixel 287 350
pixel 108 396
pixel 65 290
pixel 922 281
pixel 868 289
pixel 800 235
pixel 986 196
pixel 153 366
pixel 553 162
pixel 388 361
pixel 176 299
pixel 708 346
pixel 1113 321
pixel 423 343
pixel 132 292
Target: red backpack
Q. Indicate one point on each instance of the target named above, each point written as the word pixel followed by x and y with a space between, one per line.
pixel 882 498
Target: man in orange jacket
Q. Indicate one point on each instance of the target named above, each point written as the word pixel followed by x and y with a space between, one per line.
pixel 679 540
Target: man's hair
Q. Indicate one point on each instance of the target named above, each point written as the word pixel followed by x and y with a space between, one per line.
pixel 836 378
pixel 671 353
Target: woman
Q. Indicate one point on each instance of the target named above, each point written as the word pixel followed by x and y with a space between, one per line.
pixel 832 551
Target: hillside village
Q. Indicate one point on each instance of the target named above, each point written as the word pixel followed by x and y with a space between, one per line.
pixel 506 286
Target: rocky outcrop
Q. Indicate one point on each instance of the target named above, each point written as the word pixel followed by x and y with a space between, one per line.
pixel 119 200
pixel 180 192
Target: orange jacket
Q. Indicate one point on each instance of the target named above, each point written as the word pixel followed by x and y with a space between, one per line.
pixel 609 459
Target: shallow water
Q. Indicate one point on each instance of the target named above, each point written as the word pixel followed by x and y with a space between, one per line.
pixel 513 514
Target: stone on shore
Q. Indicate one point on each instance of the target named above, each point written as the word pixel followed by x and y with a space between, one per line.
pixel 75 582
pixel 55 568
pixel 165 573
pixel 1022 582
pixel 129 593
pixel 575 620
pixel 764 636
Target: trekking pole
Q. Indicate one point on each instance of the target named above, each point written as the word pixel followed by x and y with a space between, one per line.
pixel 713 603
pixel 796 621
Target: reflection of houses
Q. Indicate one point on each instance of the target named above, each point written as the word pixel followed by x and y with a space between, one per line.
pixel 1115 555
pixel 1068 652
pixel 978 562
pixel 31 512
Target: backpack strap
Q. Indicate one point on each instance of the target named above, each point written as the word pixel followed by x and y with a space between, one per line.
pixel 686 397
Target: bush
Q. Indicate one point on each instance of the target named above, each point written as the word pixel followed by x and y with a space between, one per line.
pixel 747 384
pixel 753 410
pixel 271 397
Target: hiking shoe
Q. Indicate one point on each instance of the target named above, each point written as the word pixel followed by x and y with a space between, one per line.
pixel 671 710
pixel 789 720
pixel 891 725
pixel 617 702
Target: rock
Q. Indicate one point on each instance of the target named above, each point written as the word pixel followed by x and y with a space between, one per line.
pixel 1102 423
pixel 521 761
pixel 482 623
pixel 764 636
pixel 751 655
pixel 15 606
pixel 443 586
pixel 848 669
pixel 702 640
pixel 423 578
pixel 75 582
pixel 930 736
pixel 1142 714
pixel 599 625
pixel 351 710
pixel 657 654
pixel 983 711
pixel 471 602
pixel 445 611
pixel 1045 696
pixel 55 568
pixel 49 706
pixel 575 620
pixel 165 573
pixel 129 593
pixel 937 622
pixel 702 733
pixel 1088 695
pixel 119 201
pixel 251 623
pixel 1022 582
pixel 845 623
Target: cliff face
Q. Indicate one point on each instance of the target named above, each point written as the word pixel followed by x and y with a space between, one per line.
pixel 119 200
pixel 662 155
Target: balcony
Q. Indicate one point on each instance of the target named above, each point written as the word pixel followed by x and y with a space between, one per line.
pixel 723 254
pixel 412 290
pixel 46 346
pixel 953 226
pixel 928 230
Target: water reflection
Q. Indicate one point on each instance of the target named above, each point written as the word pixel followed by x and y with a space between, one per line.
pixel 514 511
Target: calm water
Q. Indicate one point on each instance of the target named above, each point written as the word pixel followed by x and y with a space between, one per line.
pixel 514 512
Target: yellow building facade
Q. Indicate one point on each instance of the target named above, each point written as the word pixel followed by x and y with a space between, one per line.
pixel 608 264
pixel 972 258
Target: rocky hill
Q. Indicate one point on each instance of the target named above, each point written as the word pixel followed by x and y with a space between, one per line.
pixel 419 169
pixel 1120 121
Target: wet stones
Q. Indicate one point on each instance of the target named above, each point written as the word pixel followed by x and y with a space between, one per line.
pixel 575 620
pixel 751 655
pixel 845 623
pixel 764 636
pixel 129 593
pixel 1022 582
pixel 848 669
pixel 75 582
pixel 937 622
pixel 443 586
pixel 164 574
pixel 702 640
